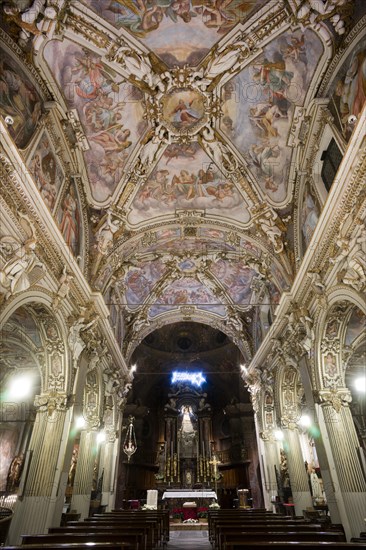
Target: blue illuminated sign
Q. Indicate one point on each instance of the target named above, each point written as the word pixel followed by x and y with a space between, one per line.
pixel 194 378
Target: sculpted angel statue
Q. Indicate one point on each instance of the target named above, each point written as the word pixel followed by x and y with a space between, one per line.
pixel 15 275
pixel 75 341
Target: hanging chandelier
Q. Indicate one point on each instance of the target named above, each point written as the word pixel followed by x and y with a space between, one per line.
pixel 129 445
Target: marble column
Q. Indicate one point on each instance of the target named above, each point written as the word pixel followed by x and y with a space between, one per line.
pixel 344 446
pixel 83 482
pixel 35 510
pixel 296 469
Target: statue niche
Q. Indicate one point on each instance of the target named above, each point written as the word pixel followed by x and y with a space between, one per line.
pixel 184 456
pixel 187 434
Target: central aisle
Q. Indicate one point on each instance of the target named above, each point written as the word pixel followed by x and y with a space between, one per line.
pixel 181 540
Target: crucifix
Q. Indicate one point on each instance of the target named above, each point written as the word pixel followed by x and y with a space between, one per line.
pixel 215 463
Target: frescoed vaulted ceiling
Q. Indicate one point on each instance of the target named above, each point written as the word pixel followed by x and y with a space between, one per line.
pixel 183 121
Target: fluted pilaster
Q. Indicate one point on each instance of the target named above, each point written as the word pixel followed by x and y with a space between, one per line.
pixel 344 445
pixel 36 509
pixel 107 459
pixel 45 448
pixel 298 476
pixel 270 459
pixel 84 472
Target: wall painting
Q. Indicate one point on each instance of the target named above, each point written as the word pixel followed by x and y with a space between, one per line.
pixel 309 216
pixel 46 171
pixel 18 99
pixel 69 219
pixel 348 91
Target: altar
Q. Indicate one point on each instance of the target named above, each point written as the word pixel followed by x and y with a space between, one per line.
pixel 189 493
pixel 188 501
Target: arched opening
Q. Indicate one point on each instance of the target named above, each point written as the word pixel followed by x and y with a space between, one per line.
pixel 191 407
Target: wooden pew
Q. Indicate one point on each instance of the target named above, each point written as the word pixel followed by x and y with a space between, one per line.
pixel 281 536
pixel 161 516
pixel 148 530
pixel 233 526
pixel 157 523
pixel 267 521
pixel 75 546
pixel 286 545
pixel 136 539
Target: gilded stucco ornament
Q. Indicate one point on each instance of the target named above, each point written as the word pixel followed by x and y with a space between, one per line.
pixel 34 19
pixel 63 288
pixel 104 236
pixel 336 398
pixel 316 282
pixel 51 402
pixel 351 256
pixel 337 12
pixel 74 131
pixel 21 268
pixel 75 340
pixel 218 151
pixel 252 381
pixel 226 59
pixel 300 332
pixel 271 225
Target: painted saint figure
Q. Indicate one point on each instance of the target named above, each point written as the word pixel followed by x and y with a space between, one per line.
pixel 184 114
pixel 69 220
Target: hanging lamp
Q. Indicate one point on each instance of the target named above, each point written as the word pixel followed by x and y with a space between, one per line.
pixel 129 445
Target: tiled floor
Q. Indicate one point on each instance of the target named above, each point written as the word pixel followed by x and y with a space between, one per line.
pixel 192 540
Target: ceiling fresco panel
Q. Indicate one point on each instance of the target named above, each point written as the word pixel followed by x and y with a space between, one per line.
pixel 187 291
pixel 180 32
pixel 236 277
pixel 258 105
pixel 110 110
pixel 186 178
pixel 140 281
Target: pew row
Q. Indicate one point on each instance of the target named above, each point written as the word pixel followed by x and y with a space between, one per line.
pixel 162 516
pixel 135 540
pixel 74 546
pixel 291 545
